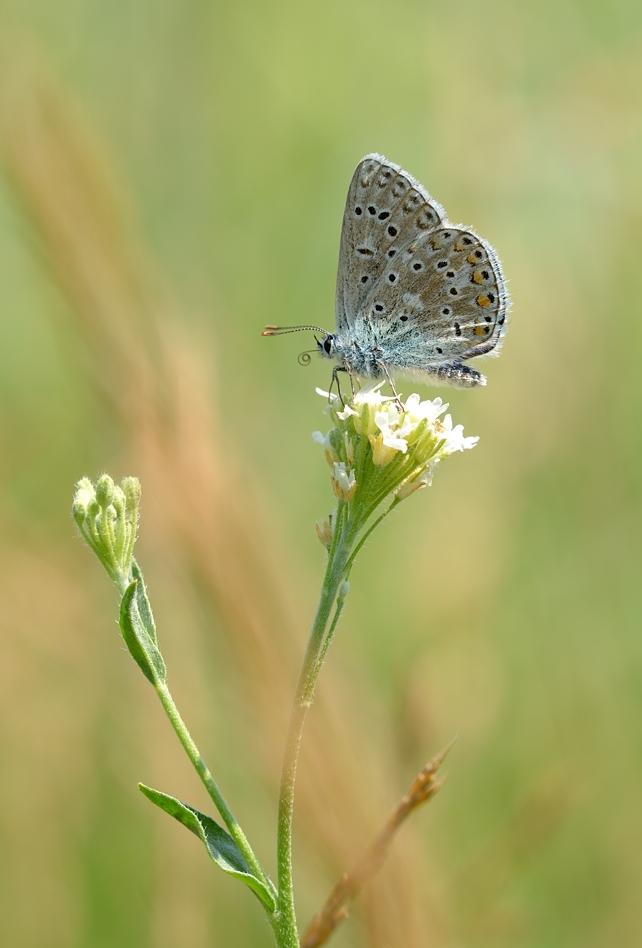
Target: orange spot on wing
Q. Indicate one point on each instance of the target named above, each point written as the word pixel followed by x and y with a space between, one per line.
pixel 483 300
pixel 471 258
pixel 480 330
pixel 477 277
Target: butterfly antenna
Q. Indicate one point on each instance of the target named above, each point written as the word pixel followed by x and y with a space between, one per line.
pixel 283 330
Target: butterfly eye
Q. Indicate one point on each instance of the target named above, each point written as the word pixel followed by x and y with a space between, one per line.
pixel 327 344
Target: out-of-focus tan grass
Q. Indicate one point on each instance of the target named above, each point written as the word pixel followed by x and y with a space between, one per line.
pixel 505 603
pixel 198 500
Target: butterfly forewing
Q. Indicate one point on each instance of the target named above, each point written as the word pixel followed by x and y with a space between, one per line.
pixel 384 209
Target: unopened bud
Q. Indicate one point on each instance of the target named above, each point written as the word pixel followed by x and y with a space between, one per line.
pixel 79 511
pixel 132 490
pixel 105 491
pixel 344 484
pixel 324 533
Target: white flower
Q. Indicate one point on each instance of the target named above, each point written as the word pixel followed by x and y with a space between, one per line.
pixel 388 424
pixel 327 395
pixel 430 410
pixel 323 440
pixel 371 395
pixel 345 414
pixel 326 444
pixel 414 435
pixel 455 440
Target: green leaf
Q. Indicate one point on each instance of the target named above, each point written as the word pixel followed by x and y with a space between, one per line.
pixel 141 646
pixel 219 844
pixel 144 607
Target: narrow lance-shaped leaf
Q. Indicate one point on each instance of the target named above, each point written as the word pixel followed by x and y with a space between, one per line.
pixel 219 844
pixel 144 607
pixel 142 647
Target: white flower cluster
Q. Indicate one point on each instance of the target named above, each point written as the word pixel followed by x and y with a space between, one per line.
pixel 403 442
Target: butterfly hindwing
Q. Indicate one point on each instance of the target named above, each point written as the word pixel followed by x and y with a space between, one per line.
pixel 443 296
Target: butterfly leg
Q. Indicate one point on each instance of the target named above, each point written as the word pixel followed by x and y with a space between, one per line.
pixel 335 381
pixel 385 371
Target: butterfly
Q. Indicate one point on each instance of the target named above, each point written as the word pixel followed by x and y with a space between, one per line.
pixel 416 295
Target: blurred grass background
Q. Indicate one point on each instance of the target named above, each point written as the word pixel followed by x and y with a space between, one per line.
pixel 174 178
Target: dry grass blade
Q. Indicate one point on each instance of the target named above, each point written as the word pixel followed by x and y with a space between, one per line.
pixel 199 498
pixel 335 910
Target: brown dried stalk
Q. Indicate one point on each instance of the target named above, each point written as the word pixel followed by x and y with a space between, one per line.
pixel 336 907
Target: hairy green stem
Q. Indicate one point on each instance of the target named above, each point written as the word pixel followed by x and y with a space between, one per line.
pixel 285 923
pixel 341 557
pixel 210 784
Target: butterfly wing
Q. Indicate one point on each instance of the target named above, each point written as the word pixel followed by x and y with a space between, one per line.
pixel 441 298
pixel 383 201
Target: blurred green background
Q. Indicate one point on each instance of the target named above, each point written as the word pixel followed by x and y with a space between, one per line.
pixel 174 178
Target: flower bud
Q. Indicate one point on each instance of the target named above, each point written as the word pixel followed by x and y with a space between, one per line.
pixel 344 484
pixel 382 454
pixel 105 491
pixel 411 485
pixel 132 491
pixel 324 533
pixel 107 517
pixel 79 511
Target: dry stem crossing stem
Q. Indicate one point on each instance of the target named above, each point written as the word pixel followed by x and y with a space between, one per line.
pixel 335 909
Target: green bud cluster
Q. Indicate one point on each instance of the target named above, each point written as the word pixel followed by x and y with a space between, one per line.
pixel 107 516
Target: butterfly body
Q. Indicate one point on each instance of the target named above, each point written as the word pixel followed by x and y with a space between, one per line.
pixel 375 357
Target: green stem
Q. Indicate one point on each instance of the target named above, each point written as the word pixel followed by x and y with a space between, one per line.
pixel 340 562
pixel 335 620
pixel 210 784
pixel 285 926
